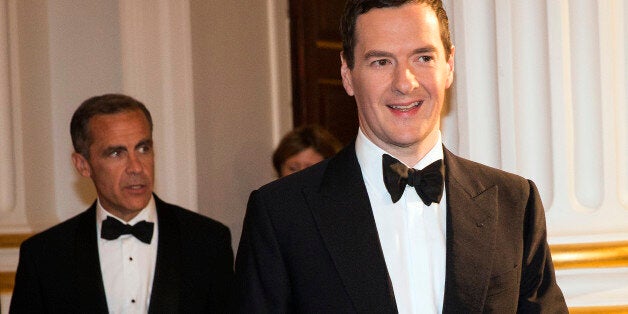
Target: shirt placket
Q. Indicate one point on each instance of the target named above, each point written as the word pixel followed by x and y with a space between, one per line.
pixel 131 274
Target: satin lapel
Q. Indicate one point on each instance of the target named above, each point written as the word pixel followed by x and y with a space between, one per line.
pixel 167 280
pixel 88 279
pixel 345 220
pixel 471 221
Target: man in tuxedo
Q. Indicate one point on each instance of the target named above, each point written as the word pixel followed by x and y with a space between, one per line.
pixel 395 222
pixel 130 252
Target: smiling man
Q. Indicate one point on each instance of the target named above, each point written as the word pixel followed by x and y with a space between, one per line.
pixel 395 222
pixel 130 252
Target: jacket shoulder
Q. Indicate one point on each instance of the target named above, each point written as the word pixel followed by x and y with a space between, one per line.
pixel 477 177
pixel 57 236
pixel 457 165
pixel 308 177
pixel 189 220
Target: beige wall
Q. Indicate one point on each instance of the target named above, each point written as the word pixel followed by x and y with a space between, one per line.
pixel 233 86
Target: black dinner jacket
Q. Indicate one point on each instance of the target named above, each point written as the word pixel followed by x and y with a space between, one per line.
pixel 59 269
pixel 310 244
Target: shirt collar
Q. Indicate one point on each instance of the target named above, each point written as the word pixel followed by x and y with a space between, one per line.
pixel 370 159
pixel 149 213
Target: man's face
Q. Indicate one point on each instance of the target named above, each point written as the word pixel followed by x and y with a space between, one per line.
pixel 121 162
pixel 399 77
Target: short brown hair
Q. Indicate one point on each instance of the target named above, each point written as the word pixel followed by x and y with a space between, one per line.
pixel 355 8
pixel 302 138
pixel 98 105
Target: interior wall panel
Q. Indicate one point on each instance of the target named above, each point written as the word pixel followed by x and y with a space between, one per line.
pixel 7 156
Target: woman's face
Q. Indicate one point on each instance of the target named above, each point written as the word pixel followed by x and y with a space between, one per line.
pixel 300 161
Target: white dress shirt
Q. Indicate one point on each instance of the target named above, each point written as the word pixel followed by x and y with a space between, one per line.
pixel 412 234
pixel 128 264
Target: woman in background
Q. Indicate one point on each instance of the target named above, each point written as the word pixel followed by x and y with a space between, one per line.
pixel 303 147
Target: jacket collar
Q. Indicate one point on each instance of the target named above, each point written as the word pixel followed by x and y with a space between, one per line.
pixel 471 221
pixel 343 213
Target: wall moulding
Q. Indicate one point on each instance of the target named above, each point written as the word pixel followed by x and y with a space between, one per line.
pixel 590 255
pixel 7 281
pixel 13 240
pixel 7 156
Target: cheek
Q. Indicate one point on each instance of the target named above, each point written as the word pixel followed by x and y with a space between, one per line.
pixel 149 164
pixel 105 182
pixel 108 175
pixel 370 85
pixel 150 167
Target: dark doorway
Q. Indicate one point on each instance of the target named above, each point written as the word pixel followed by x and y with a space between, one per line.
pixel 318 95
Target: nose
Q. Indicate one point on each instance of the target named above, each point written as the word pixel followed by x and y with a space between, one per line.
pixel 404 80
pixel 134 164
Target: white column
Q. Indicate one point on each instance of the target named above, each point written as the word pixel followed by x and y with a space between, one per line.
pixel 587 101
pixel 278 28
pixel 620 96
pixel 531 94
pixel 479 120
pixel 589 119
pixel 157 69
pixel 13 213
pixel 541 87
pixel 7 161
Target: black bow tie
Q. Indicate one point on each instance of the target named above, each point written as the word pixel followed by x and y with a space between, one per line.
pixel 428 182
pixel 112 229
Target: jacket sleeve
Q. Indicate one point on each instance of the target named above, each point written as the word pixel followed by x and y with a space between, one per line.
pixel 262 283
pixel 539 292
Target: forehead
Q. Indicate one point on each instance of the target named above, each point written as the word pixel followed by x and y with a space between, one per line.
pixel 408 24
pixel 106 128
pixel 305 155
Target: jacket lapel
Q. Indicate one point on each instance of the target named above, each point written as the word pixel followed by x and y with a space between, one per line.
pixel 167 279
pixel 343 213
pixel 91 290
pixel 471 221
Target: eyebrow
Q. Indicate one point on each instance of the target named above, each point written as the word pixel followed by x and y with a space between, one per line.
pixel 427 49
pixel 377 54
pixel 380 53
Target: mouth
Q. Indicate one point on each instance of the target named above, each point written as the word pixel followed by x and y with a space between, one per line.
pixel 134 188
pixel 405 108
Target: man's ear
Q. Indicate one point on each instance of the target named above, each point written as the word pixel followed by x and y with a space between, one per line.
pixel 345 72
pixel 82 165
pixel 450 62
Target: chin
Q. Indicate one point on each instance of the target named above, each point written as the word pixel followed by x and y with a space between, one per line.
pixel 139 204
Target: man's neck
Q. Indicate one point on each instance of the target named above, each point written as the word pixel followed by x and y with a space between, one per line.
pixel 412 154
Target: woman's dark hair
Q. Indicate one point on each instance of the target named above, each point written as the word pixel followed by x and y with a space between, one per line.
pixel 302 138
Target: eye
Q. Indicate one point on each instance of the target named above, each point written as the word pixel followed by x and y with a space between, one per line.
pixel 426 59
pixel 144 149
pixel 380 62
pixel 115 153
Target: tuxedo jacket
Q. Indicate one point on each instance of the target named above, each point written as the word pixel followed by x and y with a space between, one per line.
pixel 310 244
pixel 59 269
